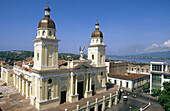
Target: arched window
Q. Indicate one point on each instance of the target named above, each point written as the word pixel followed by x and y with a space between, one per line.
pixel 92 57
pixel 37 56
pixel 101 40
pixel 49 33
pixel 43 33
pixel 97 41
pixel 49 81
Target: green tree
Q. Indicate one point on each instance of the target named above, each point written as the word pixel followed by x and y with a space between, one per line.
pixel 164 98
pixel 146 86
pixel 156 92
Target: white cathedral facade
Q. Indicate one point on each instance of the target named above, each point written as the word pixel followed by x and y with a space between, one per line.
pixel 47 82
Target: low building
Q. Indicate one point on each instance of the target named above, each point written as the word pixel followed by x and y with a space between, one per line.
pixel 138 69
pixel 118 67
pixel 128 82
pixel 7 74
pixel 159 73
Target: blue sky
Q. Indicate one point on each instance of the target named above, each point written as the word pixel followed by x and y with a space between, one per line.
pixel 128 26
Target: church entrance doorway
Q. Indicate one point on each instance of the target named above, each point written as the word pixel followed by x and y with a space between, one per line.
pixel 63 96
pixel 93 90
pixel 80 90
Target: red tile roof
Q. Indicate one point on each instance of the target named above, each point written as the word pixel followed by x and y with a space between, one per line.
pixel 61 62
pixel 128 76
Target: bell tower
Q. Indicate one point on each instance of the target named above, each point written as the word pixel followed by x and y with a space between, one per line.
pixel 96 49
pixel 46 44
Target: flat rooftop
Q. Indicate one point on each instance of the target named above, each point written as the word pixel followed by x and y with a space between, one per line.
pixel 129 76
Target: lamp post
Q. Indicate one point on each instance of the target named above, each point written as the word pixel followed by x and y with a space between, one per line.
pixel 130 108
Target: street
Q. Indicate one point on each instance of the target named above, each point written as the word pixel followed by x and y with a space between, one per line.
pixel 134 101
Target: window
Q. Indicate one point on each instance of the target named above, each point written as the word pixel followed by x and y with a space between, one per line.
pixel 115 81
pixel 43 33
pixel 127 84
pixel 101 74
pixel 101 41
pixel 92 57
pixel 142 70
pixel 54 33
pixel 49 33
pixel 97 41
pixel 156 67
pixel 109 80
pixel 49 81
pixel 132 69
pixel 37 56
pixel 101 82
pixel 147 70
pixel 120 83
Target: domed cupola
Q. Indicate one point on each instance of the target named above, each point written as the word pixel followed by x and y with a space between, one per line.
pixel 97 32
pixel 47 22
pixel 97 36
pixel 46 26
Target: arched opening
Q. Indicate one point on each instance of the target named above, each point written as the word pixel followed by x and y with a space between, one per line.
pixel 43 33
pixel 97 41
pixel 49 33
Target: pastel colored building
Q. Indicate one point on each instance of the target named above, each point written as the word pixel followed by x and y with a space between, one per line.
pixel 48 82
pixel 159 73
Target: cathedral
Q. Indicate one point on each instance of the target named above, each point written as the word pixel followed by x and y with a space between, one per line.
pixel 47 81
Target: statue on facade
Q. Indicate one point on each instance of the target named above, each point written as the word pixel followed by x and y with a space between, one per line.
pixel 81 53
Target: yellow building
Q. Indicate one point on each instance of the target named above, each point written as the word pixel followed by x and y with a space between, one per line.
pixel 48 83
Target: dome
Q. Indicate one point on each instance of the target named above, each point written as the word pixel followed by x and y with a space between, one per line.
pixel 46 22
pixel 97 32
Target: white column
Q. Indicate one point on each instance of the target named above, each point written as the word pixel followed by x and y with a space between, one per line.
pixel 23 86
pixel 104 103
pixel 71 85
pixel 14 79
pixel 166 69
pixel 20 84
pixel 150 67
pixel 162 81
pixel 87 82
pixel 150 83
pixel 76 86
pixel 90 82
pixel 96 105
pixel 110 101
pixel 2 74
pixel 27 90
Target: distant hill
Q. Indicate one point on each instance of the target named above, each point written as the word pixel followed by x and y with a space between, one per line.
pixel 154 54
pixel 17 55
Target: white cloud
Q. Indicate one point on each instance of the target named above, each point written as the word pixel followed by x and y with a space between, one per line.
pixel 159 47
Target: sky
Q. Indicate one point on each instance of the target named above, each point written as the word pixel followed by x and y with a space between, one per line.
pixel 128 26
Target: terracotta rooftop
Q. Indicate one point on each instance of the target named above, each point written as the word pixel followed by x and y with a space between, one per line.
pixel 128 76
pixel 61 62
